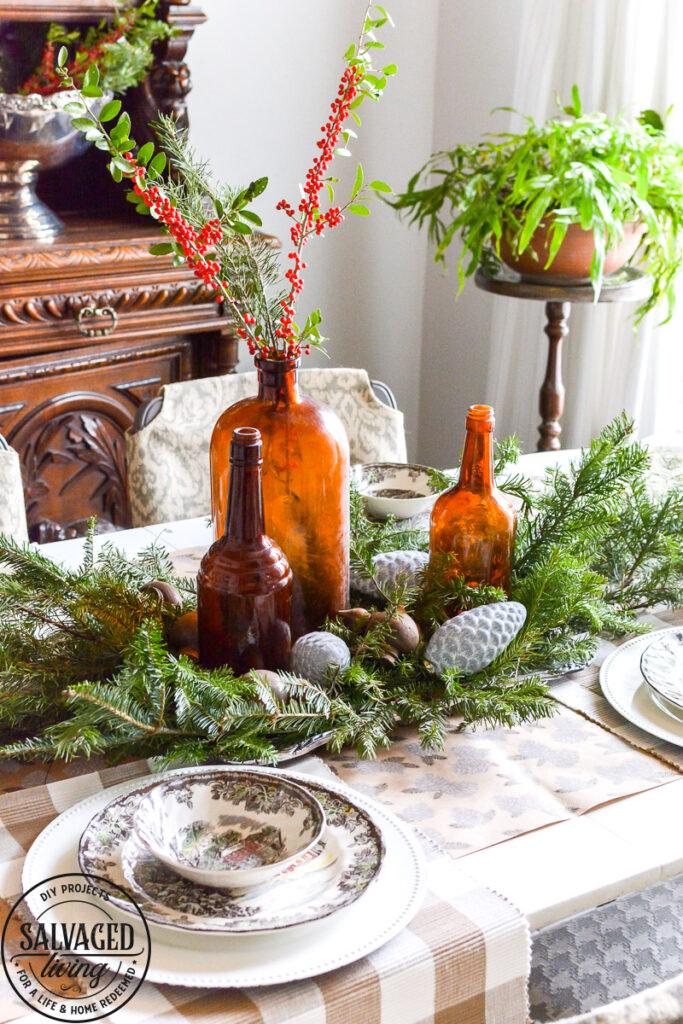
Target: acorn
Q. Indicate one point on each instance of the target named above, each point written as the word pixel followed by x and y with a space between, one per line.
pixel 165 592
pixel 272 679
pixel 183 634
pixel 355 618
pixel 405 633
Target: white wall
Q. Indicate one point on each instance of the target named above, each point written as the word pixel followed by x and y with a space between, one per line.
pixel 476 61
pixel 264 75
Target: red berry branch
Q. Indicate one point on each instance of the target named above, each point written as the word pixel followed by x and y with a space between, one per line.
pixel 193 244
pixel 219 250
pixel 309 220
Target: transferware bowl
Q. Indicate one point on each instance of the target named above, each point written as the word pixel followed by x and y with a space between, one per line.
pixel 399 489
pixel 229 828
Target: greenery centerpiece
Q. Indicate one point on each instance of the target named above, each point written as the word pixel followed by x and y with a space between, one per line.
pixel 90 661
pixel 522 191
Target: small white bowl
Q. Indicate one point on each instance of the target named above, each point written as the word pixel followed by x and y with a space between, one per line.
pixel 228 828
pixel 399 489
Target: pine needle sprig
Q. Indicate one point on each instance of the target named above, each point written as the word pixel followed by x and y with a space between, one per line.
pixel 577 506
pixel 442 592
pixel 502 702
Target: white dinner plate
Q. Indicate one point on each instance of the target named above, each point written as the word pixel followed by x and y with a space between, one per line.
pixel 302 951
pixel 624 687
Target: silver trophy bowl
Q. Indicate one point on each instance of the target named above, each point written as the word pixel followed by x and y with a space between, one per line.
pixel 35 135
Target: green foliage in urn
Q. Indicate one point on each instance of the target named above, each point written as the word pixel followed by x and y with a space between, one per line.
pixel 86 666
pixel 575 168
pixel 122 47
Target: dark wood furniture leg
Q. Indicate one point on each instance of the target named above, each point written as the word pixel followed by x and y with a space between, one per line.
pixel 551 397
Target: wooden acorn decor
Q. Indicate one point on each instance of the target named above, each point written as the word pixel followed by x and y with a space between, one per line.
pixel 165 592
pixel 277 684
pixel 183 636
pixel 405 633
pixel 403 637
pixel 314 653
pixel 388 568
pixel 472 640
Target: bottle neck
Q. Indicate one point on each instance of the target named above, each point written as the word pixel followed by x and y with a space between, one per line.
pixel 476 471
pixel 244 519
pixel 278 380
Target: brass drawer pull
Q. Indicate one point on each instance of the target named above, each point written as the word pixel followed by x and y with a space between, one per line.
pixel 94 322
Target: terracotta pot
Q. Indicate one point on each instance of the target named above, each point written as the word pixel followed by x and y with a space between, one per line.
pixel 572 263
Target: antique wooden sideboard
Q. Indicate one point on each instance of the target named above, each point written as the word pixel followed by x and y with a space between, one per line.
pixel 91 324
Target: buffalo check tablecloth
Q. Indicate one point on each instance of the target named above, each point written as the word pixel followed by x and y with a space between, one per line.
pixel 464 958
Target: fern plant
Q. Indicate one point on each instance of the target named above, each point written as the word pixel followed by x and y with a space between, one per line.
pixel 575 168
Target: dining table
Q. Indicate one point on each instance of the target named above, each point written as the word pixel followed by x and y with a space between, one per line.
pixel 520 827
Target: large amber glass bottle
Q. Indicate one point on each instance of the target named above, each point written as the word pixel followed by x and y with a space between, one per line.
pixel 305 486
pixel 244 585
pixel 474 519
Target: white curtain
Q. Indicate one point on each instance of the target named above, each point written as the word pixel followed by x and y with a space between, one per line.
pixel 625 55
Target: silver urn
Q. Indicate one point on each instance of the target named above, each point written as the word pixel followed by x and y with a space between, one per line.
pixel 35 135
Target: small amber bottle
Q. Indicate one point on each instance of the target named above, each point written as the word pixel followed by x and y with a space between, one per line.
pixel 244 585
pixel 474 519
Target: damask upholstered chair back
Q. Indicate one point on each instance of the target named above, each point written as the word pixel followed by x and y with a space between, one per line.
pixel 12 507
pixel 168 459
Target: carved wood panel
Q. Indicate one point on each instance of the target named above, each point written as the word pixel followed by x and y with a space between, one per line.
pixel 69 431
pixel 78 459
pixel 50 309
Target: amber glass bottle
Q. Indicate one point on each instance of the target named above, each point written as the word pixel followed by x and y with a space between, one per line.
pixel 244 585
pixel 474 519
pixel 305 486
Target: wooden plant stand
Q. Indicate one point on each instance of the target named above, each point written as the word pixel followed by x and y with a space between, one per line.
pixel 628 285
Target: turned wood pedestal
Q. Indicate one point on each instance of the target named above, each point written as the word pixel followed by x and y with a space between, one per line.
pixel 628 285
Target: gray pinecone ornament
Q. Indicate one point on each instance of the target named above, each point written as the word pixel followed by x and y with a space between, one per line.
pixel 388 567
pixel 313 654
pixel 471 641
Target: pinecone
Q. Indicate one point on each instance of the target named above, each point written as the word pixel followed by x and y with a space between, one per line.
pixel 313 654
pixel 388 567
pixel 471 641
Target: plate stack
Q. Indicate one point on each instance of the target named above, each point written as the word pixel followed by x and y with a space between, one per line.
pixel 245 876
pixel 643 681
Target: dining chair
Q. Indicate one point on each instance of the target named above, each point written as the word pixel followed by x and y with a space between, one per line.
pixel 12 506
pixel 167 447
pixel 661 1004
pixel 619 963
